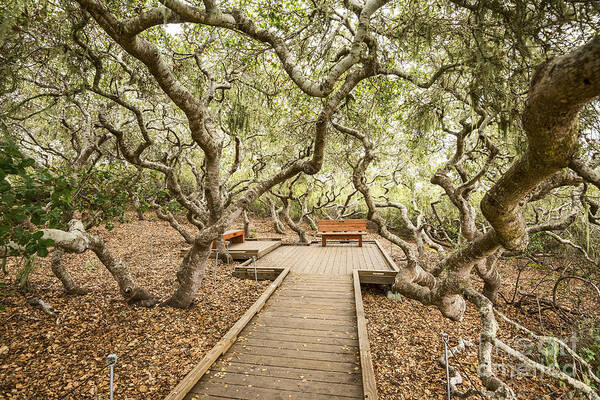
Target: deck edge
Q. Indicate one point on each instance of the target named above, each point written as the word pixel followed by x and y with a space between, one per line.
pixel 268 239
pixel 188 382
pixel 366 362
pixel 387 257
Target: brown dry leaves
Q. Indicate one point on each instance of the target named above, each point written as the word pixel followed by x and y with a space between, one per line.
pixel 40 359
pixel 156 347
pixel 405 339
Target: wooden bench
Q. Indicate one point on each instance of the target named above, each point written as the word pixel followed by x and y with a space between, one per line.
pixel 342 229
pixel 234 236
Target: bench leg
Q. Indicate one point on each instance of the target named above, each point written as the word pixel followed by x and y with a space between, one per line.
pixel 323 241
pixel 360 241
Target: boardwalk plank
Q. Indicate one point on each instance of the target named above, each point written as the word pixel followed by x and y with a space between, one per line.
pixel 316 326
pixel 306 323
pixel 302 313
pixel 243 348
pixel 306 339
pixel 316 294
pixel 250 393
pixel 316 365
pixel 288 384
pixel 282 344
pixel 317 302
pixel 288 372
pixel 314 306
pixel 309 341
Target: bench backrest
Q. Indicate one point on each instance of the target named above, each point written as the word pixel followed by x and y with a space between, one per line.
pixel 342 225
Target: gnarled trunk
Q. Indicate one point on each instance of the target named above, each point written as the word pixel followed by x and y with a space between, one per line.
pixel 190 275
pixel 133 293
pixel 78 240
pixel 63 274
pixel 246 223
pixel 492 280
pixel 285 215
pixel 312 223
pixel 223 253
pixel 277 225
pixel 138 208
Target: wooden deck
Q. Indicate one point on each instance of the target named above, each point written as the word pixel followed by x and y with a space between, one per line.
pixel 251 248
pixel 335 259
pixel 302 345
pixel 308 340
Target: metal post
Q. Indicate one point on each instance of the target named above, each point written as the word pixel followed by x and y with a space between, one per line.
pixel 216 261
pixel 111 360
pixel 227 243
pixel 255 274
pixel 445 340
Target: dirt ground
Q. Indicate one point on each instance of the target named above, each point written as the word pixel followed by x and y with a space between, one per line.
pixel 41 358
pixel 157 347
pixel 405 339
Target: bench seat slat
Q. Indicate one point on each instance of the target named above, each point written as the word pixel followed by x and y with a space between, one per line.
pixel 341 233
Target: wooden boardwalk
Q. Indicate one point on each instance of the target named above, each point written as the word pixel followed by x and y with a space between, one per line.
pixel 335 259
pixel 302 345
pixel 306 338
pixel 251 248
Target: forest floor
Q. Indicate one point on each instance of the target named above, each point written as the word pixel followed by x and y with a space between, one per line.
pixel 41 358
pixel 157 347
pixel 406 342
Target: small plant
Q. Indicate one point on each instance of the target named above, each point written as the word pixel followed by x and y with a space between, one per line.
pixel 589 343
pixel 90 265
pixel 535 244
pixel 22 279
pixel 550 352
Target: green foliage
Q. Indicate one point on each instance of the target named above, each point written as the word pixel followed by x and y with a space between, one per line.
pixel 90 265
pixel 103 194
pixel 30 198
pixel 238 119
pixel 589 343
pixel 11 26
pixel 536 243
pixel 550 353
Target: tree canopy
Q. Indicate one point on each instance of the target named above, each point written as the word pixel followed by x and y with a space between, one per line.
pixel 466 127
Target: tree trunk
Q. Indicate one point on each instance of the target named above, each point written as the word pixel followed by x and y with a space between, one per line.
pixel 419 242
pixel 133 293
pixel 190 275
pixel 277 224
pixel 138 208
pixel 246 223
pixel 78 240
pixel 64 276
pixel 312 223
pixel 223 252
pixel 491 277
pixel 285 215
